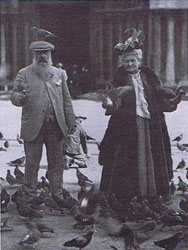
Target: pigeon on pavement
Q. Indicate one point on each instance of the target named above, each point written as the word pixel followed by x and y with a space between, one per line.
pixel 32 236
pixel 182 147
pixel 80 241
pixel 6 144
pixel 18 161
pixel 5 199
pixel 171 242
pixel 20 141
pixel 172 187
pixel 44 228
pixel 178 138
pixel 184 205
pixel 181 164
pixel 10 178
pixel 1 135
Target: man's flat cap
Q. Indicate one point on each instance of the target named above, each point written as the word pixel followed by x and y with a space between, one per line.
pixel 41 46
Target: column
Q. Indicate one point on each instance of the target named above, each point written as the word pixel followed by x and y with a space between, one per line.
pixel 26 41
pixel 157 44
pixel 96 47
pixel 3 45
pixel 15 46
pixel 170 58
pixel 149 40
pixel 109 44
pixel 184 49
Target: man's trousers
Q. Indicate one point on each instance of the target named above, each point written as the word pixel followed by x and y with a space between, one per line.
pixel 50 135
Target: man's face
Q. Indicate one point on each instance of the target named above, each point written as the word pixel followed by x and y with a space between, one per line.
pixel 130 62
pixel 43 57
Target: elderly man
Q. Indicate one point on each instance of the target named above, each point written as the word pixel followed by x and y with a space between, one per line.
pixel 47 111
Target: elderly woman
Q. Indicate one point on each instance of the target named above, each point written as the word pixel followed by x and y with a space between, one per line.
pixel 135 151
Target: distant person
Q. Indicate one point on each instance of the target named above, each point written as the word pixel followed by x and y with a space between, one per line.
pixel 59 65
pixel 47 116
pixel 73 144
pixel 84 80
pixel 74 81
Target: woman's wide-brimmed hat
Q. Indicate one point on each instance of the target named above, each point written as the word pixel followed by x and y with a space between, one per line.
pixel 134 41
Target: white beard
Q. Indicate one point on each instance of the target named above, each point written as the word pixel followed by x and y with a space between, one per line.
pixel 42 69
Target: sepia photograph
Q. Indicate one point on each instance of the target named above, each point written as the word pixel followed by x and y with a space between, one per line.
pixel 94 124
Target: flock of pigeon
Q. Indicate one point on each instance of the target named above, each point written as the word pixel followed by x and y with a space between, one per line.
pixel 135 222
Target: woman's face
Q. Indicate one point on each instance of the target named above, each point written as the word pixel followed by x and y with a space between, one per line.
pixel 130 62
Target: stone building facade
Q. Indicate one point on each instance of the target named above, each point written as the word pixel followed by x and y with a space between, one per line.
pixel 88 30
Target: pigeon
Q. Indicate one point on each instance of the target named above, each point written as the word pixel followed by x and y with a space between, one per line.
pixel 145 230
pixel 44 228
pixel 19 175
pixel 180 93
pixel 32 236
pixel 3 182
pixel 1 135
pixel 129 238
pixel 113 247
pixel 184 205
pixel 182 147
pixel 25 210
pixel 178 138
pixel 5 199
pixel 42 33
pixel 4 224
pixel 38 201
pixel 172 187
pixel 20 141
pixel 70 201
pixel 89 201
pixel 182 186
pixel 10 178
pixel 12 209
pixel 80 217
pixel 50 203
pixel 81 177
pixel 181 164
pixel 6 144
pixel 17 196
pixel 171 242
pixel 82 192
pixel 187 173
pixel 17 171
pixel 184 217
pixel 170 220
pixel 44 183
pixel 18 161
pixel 2 149
pixel 80 241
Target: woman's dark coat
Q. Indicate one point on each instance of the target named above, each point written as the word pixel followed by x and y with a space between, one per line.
pixel 118 149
